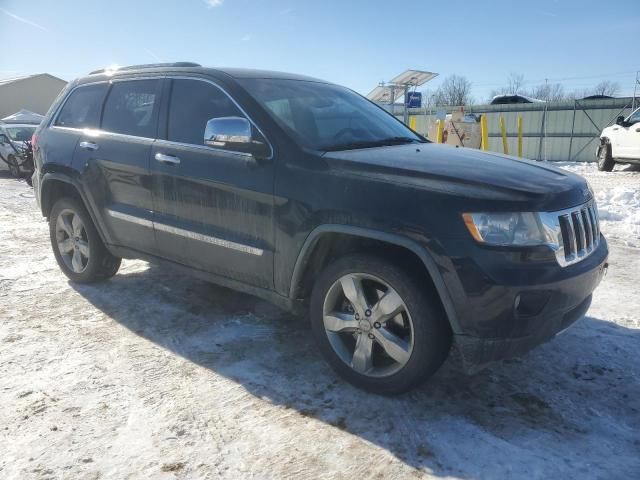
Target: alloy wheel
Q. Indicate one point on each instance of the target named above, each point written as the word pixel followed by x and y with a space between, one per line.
pixel 368 325
pixel 72 241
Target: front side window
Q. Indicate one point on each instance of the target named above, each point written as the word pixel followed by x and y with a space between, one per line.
pixel 82 108
pixel 193 103
pixel 327 117
pixel 132 108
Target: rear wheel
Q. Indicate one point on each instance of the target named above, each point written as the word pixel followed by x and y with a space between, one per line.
pixel 376 327
pixel 605 161
pixel 76 244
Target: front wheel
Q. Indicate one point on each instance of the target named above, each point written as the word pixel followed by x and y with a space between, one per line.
pixel 376 326
pixel 77 245
pixel 605 161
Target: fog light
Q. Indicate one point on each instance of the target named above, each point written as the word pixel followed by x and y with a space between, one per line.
pixel 530 304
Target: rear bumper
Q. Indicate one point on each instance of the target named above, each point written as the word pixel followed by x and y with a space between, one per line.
pixel 37 180
pixel 510 320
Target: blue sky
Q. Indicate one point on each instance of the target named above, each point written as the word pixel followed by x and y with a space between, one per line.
pixel 356 43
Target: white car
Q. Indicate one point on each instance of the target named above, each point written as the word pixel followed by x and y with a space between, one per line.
pixel 12 138
pixel 620 143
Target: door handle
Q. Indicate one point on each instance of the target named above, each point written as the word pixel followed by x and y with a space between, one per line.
pixel 89 146
pixel 170 159
pixel 637 129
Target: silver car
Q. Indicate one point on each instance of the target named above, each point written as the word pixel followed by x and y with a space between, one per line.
pixel 12 144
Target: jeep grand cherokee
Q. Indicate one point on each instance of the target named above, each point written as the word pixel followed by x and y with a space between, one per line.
pixel 308 195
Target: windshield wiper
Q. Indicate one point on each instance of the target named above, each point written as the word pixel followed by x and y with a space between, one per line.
pixel 371 143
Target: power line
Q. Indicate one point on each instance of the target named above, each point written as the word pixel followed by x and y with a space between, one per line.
pixel 630 73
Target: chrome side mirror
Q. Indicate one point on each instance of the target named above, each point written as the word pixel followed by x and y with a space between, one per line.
pixel 235 134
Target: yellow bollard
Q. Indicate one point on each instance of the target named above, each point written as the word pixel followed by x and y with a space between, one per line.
pixel 520 137
pixel 484 133
pixel 439 130
pixel 503 131
pixel 413 123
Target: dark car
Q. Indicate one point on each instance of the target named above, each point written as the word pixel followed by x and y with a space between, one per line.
pixel 513 98
pixel 308 195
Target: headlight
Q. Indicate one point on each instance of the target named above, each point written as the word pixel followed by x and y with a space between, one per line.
pixel 512 228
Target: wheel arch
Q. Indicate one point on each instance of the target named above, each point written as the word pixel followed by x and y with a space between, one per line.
pixel 318 246
pixel 604 142
pixel 54 186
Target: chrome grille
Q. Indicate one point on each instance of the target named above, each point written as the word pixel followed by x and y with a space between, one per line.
pixel 580 233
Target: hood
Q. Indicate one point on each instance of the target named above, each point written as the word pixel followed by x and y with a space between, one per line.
pixel 468 173
pixel 607 130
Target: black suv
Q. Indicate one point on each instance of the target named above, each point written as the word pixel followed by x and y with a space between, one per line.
pixel 308 195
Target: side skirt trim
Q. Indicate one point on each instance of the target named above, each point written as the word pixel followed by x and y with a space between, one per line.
pixel 186 233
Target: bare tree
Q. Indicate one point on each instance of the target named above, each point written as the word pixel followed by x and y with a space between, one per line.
pixel 552 92
pixel 606 87
pixel 455 90
pixel 549 92
pixel 515 83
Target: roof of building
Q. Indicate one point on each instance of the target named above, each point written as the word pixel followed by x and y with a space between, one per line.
pixel 6 81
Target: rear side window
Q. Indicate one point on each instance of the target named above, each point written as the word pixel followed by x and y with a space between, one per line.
pixel 193 103
pixel 132 108
pixel 82 108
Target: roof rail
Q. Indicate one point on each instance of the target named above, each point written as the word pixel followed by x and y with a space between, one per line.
pixel 147 65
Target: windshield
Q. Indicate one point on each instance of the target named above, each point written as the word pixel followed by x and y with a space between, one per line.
pixel 327 117
pixel 20 134
pixel 634 117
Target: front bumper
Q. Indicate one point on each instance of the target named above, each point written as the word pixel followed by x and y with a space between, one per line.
pixel 507 315
pixel 478 352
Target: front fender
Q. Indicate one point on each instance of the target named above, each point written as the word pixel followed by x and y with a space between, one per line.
pixel 422 253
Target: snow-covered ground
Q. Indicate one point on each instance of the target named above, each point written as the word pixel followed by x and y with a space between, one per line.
pixel 157 375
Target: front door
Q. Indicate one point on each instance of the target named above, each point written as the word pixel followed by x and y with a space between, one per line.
pixel 628 137
pixel 213 208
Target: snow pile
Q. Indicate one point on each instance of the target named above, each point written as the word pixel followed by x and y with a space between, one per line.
pixel 581 168
pixel 619 210
pixel 618 197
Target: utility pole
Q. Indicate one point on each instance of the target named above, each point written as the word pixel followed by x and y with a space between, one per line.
pixel 635 89
pixel 544 116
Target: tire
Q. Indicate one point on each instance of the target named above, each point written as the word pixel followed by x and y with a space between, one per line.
pixel 421 328
pixel 87 260
pixel 605 161
pixel 14 170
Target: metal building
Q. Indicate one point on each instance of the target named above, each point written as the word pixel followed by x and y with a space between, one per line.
pixel 35 93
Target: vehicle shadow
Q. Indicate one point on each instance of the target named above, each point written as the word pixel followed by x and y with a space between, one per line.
pixel 533 417
pixel 630 167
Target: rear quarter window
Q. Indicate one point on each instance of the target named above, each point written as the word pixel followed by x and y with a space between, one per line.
pixel 82 107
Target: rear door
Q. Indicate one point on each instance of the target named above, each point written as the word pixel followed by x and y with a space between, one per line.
pixel 81 110
pixel 115 161
pixel 213 207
